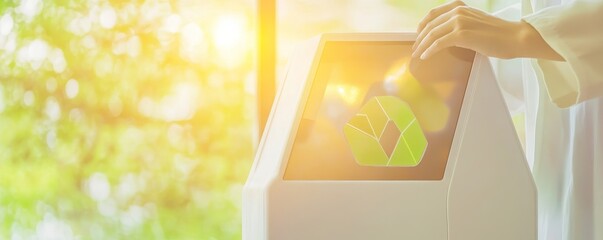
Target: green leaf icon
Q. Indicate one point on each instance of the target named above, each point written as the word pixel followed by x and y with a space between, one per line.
pixel 386 133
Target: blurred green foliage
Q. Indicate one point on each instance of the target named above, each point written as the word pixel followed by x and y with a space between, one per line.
pixel 122 120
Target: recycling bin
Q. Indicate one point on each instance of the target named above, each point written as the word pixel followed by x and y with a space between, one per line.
pixel 366 142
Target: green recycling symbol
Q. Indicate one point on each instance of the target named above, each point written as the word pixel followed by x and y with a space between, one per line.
pixel 385 132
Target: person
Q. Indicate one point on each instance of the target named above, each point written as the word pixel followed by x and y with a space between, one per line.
pixel 560 46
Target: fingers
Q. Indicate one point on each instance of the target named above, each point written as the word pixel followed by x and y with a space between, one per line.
pixel 449 40
pixel 434 13
pixel 432 36
pixel 435 23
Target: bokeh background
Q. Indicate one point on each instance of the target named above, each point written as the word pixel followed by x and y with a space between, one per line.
pixel 137 119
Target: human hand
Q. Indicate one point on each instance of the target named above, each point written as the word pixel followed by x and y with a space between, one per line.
pixel 457 25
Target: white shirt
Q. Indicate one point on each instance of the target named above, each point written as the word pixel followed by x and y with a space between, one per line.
pixel 563 106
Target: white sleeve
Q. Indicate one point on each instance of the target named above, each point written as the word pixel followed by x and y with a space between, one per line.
pixel 508 71
pixel 575 31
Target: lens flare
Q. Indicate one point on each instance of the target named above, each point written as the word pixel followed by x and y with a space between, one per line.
pixel 230 37
pixel 348 94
